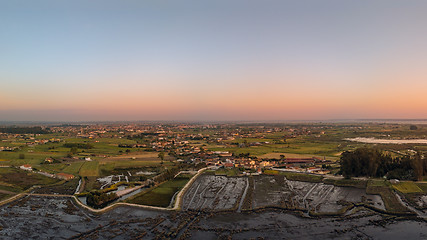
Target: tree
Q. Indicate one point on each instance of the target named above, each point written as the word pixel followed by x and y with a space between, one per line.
pixel 413 127
pixel 73 150
pixel 161 155
pixel 418 165
pixel 372 162
pixel 21 156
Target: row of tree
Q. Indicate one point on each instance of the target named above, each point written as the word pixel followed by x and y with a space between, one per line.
pixel 167 175
pixel 24 130
pixel 79 145
pixel 372 162
pixel 98 199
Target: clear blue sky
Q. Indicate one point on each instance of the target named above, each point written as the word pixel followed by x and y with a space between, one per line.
pixel 215 60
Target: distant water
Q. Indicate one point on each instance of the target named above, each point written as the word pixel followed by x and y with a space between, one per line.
pixel 387 141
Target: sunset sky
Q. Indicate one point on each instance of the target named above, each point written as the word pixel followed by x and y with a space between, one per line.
pixel 212 60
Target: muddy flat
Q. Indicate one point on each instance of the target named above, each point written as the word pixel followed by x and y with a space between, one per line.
pixel 34 217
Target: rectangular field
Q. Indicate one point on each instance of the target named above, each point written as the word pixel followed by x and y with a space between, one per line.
pixel 90 169
pixel 407 187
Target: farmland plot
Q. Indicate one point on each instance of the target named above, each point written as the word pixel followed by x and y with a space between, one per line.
pixel 210 192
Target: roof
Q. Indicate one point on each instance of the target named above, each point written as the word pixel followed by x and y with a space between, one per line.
pixel 66 175
pixel 298 160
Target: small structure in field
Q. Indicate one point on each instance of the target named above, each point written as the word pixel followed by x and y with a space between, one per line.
pixel 64 176
pixel 26 167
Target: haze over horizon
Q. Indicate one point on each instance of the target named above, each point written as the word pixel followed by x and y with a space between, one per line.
pixel 212 60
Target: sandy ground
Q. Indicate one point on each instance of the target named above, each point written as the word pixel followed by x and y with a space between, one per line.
pixel 387 141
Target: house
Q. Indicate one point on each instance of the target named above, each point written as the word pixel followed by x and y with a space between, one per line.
pixel 48 160
pixel 64 176
pixel 228 165
pixel 394 181
pixel 298 161
pixel 26 167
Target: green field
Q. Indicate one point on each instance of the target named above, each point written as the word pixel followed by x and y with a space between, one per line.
pixel 4 196
pixel 73 168
pixel 89 169
pixel 407 187
pixel 346 183
pixel 293 147
pixel 16 180
pixel 391 202
pixel 228 172
pixel 161 195
pixel 296 176
pixel 423 186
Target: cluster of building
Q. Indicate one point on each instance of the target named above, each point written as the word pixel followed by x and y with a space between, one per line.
pixel 226 160
pixel 63 176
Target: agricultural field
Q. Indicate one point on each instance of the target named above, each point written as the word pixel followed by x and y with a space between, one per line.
pixel 89 169
pixel 4 195
pixel 16 180
pixel 414 192
pixel 162 195
pixel 296 176
pixel 73 168
pixel 133 150
pixel 135 160
pixel 62 187
pixel 230 172
pixel 407 187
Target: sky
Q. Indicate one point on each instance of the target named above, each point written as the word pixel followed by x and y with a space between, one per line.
pixel 104 60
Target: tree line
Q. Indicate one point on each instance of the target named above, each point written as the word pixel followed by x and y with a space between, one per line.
pixel 78 145
pixel 24 130
pixel 373 162
pixel 98 199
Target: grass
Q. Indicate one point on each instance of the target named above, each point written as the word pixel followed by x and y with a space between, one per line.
pixel 89 169
pixel 63 187
pixel 133 160
pixel 15 180
pixel 296 176
pixel 297 147
pixel 90 183
pixel 161 195
pixel 346 182
pixel 228 172
pixel 390 200
pixel 73 168
pixel 51 168
pixel 407 187
pixel 4 196
pixel 423 186
pixel 9 187
pixel 380 183
pixel 276 155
